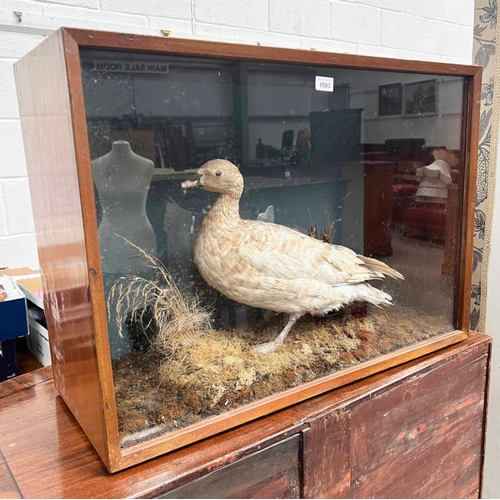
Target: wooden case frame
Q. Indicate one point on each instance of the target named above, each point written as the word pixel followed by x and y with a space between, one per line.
pixel 54 127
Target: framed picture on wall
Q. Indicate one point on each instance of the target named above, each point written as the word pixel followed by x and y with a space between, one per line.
pixel 420 98
pixel 390 99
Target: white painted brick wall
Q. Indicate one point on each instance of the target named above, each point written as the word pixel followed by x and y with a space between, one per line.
pixel 403 31
pixel 12 161
pixel 295 22
pixel 466 35
pixel 8 99
pixel 382 4
pixel 16 196
pixel 464 15
pixel 3 217
pixel 15 45
pixel 432 9
pixel 432 30
pixel 253 15
pixel 442 38
pixel 180 9
pixel 355 23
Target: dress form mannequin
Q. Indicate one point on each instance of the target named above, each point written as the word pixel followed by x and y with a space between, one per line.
pixel 435 178
pixel 122 179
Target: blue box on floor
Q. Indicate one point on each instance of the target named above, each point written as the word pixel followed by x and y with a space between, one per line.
pixel 8 361
pixel 13 324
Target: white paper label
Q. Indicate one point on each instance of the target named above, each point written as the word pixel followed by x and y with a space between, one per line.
pixel 324 83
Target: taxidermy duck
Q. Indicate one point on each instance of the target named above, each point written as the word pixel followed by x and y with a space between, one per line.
pixel 273 267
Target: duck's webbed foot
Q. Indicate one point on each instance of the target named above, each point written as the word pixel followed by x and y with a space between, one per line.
pixel 267 347
pixel 271 346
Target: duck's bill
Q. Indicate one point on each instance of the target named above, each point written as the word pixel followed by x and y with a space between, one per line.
pixel 190 184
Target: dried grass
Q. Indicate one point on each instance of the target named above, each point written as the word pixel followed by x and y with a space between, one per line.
pixel 219 371
pixel 158 304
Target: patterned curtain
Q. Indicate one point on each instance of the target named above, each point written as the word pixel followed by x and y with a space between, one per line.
pixel 485 29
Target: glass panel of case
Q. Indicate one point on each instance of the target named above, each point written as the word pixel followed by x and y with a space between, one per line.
pixel 325 234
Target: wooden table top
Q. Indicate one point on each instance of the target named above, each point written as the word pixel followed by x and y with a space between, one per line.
pixel 45 454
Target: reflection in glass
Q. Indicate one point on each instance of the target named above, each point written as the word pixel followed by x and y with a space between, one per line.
pixel 343 167
pixel 122 180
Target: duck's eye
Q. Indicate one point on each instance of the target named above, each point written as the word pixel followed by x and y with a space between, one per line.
pixel 218 173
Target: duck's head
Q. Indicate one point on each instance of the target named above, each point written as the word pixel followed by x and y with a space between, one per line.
pixel 218 176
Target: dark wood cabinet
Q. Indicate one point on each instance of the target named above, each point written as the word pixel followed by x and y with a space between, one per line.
pixel 378 179
pixel 415 431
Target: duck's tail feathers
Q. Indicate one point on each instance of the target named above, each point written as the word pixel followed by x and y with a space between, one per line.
pixel 368 293
pixel 380 268
pixel 363 292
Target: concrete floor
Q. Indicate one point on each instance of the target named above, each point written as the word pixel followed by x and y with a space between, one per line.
pixel 424 288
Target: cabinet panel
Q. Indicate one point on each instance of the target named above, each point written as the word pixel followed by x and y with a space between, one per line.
pixel 327 461
pixel 270 473
pixel 422 439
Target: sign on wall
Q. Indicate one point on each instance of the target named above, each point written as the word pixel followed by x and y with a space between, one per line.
pixel 124 66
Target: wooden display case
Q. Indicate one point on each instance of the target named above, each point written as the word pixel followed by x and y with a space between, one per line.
pixel 56 126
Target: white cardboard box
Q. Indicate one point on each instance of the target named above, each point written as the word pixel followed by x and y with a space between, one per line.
pixel 31 285
pixel 38 339
pixel 38 342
